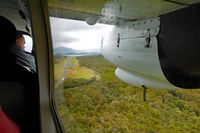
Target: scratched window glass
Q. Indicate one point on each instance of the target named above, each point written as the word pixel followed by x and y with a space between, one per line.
pixel 113 69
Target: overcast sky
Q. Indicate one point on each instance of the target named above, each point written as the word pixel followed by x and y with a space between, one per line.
pixel 77 35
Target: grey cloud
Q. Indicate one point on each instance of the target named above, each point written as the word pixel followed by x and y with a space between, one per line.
pixel 62 37
pixel 58 24
pixel 59 44
pixel 60 29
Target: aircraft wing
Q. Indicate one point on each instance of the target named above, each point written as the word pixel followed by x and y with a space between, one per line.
pixel 112 11
pixel 154 43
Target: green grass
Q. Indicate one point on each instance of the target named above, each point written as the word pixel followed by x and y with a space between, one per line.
pixel 80 72
pixel 79 75
pixel 108 105
pixel 75 61
pixel 64 61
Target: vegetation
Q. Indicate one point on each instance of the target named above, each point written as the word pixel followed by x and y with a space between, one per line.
pixel 59 67
pixel 95 101
pixel 75 61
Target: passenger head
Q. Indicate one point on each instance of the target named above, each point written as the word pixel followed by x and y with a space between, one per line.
pixel 20 40
pixel 7 34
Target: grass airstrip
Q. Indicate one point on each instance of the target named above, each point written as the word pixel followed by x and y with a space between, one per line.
pixel 76 71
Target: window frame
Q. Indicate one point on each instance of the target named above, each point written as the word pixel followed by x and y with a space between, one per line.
pixel 49 118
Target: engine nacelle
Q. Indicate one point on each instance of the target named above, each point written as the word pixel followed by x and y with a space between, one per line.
pixel 162 52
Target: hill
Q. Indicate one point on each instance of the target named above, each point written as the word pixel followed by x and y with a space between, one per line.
pixel 61 50
pixel 68 51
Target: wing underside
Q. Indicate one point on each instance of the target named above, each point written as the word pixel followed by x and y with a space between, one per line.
pixel 113 11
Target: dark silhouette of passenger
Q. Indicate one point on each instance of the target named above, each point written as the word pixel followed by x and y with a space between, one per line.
pixel 19 93
pixel 7 34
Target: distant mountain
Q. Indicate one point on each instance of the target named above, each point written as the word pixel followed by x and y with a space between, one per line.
pixel 69 51
pixel 64 50
pixel 93 51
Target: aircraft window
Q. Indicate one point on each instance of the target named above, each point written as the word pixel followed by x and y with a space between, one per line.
pixel 103 77
pixel 74 42
pixel 28 43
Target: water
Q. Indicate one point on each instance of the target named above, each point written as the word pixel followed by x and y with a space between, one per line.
pixel 79 54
